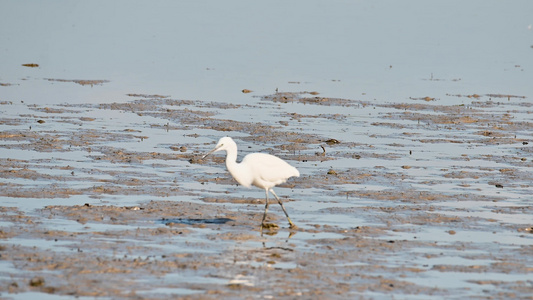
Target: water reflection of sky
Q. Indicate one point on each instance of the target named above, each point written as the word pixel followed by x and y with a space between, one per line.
pixel 211 50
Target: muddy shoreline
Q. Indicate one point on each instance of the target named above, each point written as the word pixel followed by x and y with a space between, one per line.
pixel 417 199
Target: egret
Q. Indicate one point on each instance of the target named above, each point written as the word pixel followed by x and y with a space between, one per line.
pixel 258 169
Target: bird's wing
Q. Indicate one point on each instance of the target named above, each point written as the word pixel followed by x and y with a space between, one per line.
pixel 270 168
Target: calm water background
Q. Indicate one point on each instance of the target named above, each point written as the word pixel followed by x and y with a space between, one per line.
pixel 211 50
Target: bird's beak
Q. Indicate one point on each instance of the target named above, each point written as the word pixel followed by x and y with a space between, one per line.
pixel 208 153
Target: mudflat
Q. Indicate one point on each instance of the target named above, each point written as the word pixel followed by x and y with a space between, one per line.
pixel 422 199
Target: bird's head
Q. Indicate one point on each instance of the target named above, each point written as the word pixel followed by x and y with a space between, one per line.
pixel 224 143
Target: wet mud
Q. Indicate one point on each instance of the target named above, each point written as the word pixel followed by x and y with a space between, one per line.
pixel 79 81
pixel 424 198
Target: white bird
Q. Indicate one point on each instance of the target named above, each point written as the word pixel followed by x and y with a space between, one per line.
pixel 259 169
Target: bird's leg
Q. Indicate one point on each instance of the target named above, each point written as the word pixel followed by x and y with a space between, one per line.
pixel 266 209
pixel 282 207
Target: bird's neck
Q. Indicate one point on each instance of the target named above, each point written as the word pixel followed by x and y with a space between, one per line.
pixel 231 159
pixel 240 172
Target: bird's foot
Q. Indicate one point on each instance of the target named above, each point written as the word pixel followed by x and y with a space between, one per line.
pixel 291 224
pixel 269 226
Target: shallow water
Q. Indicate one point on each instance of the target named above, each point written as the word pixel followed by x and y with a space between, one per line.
pixel 422 198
